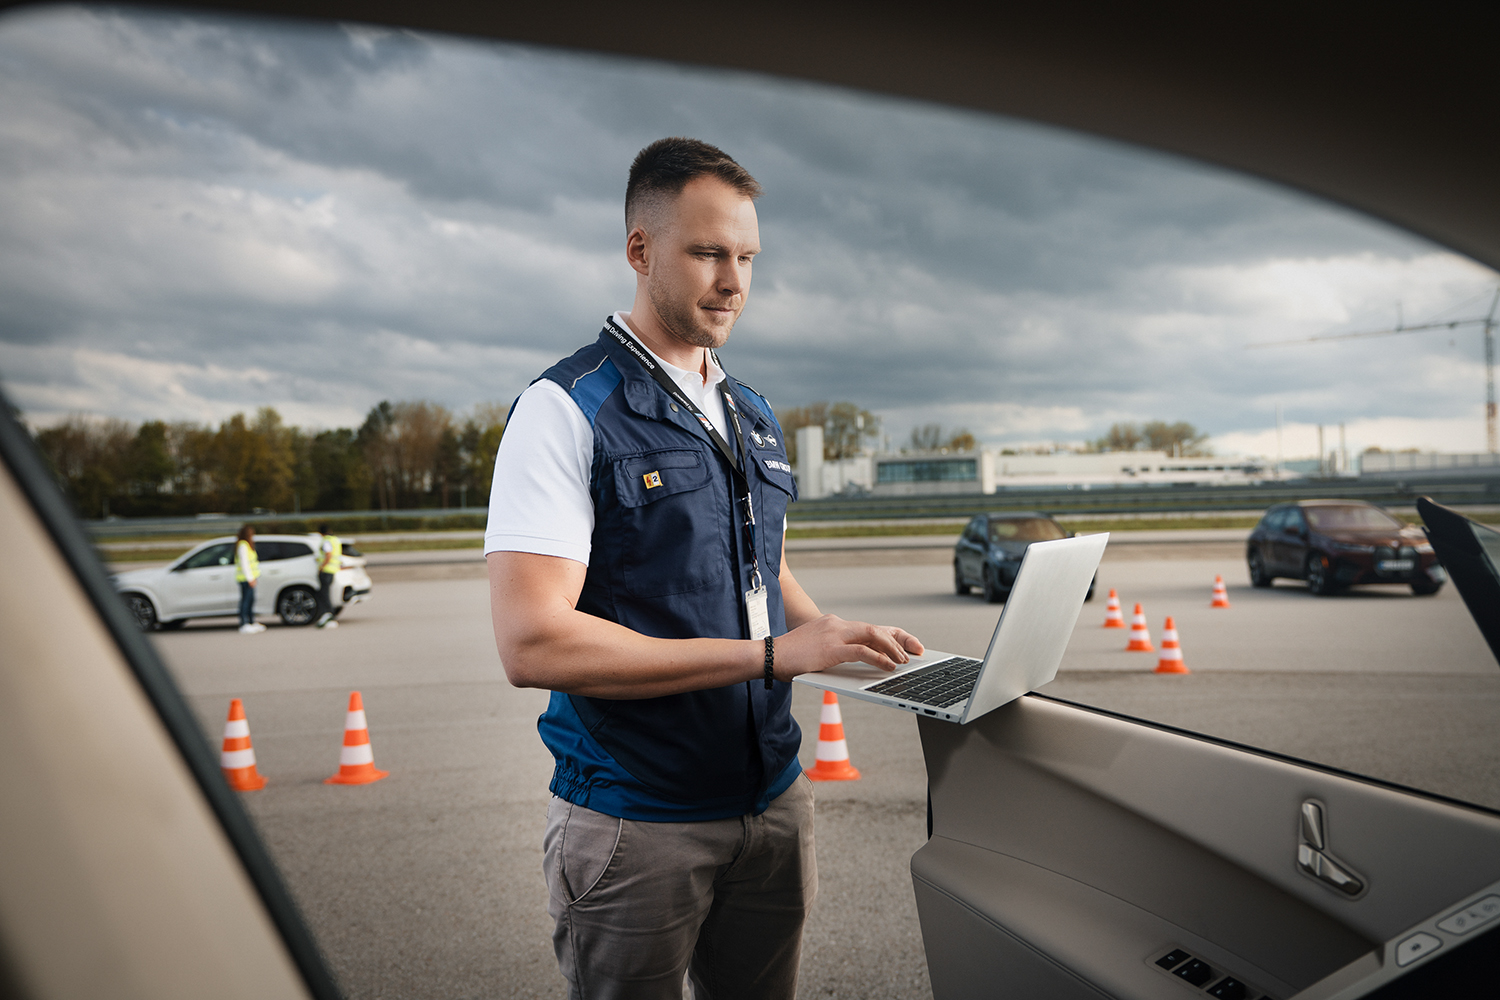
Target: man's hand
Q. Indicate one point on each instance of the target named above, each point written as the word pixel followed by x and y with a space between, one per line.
pixel 829 640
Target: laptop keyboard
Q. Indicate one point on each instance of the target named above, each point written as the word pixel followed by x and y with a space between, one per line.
pixel 940 684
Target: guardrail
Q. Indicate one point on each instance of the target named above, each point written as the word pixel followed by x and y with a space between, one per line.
pixel 1141 499
pixel 343 521
pixel 1149 499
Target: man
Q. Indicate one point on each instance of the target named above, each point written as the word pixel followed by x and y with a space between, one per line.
pixel 636 571
pixel 330 561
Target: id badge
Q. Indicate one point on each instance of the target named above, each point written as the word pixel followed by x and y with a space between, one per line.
pixel 757 613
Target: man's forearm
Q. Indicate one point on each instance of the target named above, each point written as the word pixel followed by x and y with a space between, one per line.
pixel 800 608
pixel 545 642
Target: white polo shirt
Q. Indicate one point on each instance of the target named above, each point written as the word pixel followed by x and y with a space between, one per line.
pixel 539 498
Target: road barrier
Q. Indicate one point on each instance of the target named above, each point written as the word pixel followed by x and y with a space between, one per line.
pixel 1171 651
pixel 356 758
pixel 237 758
pixel 1140 635
pixel 832 762
pixel 1112 616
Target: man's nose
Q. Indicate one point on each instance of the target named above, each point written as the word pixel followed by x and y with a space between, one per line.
pixel 731 281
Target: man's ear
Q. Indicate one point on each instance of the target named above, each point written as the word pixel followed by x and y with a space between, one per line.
pixel 638 251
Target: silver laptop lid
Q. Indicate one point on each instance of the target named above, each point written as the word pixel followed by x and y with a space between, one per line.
pixel 1037 620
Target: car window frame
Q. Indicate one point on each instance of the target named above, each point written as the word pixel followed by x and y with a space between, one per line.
pixel 187 562
pixel 1396 523
pixel 278 550
pixel 202 759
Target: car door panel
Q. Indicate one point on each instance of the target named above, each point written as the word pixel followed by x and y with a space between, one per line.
pixel 283 564
pixel 273 572
pixel 971 551
pixel 1099 843
pixel 1265 539
pixel 1294 544
pixel 202 590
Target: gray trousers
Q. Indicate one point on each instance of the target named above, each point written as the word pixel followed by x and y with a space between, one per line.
pixel 638 904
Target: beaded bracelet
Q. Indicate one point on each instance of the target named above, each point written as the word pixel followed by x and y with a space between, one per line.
pixel 770 661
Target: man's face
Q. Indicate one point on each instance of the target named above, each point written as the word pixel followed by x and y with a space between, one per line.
pixel 701 250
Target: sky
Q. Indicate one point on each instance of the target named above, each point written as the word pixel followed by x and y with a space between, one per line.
pixel 205 216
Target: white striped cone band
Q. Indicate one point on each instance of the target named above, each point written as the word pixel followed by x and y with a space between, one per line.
pixel 830 714
pixel 1170 635
pixel 356 720
pixel 236 729
pixel 1171 653
pixel 233 760
pixel 835 750
pixel 351 756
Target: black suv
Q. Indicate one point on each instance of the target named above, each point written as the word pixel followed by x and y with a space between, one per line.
pixel 1335 544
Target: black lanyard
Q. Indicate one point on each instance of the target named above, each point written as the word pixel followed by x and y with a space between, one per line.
pixel 731 412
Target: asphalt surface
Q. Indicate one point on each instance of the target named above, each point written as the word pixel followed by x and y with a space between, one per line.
pixel 428 884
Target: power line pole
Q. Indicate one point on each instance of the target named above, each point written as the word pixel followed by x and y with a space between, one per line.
pixel 1489 374
pixel 1488 322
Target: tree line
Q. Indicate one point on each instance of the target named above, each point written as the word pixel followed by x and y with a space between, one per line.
pixel 847 429
pixel 1181 439
pixel 405 455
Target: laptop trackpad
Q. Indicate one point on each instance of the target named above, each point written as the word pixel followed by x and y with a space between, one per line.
pixel 862 672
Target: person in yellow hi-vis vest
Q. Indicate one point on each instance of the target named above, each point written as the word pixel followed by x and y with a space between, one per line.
pixel 247 572
pixel 330 560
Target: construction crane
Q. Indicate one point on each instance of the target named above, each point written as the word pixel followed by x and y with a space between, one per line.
pixel 1489 323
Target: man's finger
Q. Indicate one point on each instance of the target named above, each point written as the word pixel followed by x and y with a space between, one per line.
pixel 879 639
pixel 868 654
pixel 908 641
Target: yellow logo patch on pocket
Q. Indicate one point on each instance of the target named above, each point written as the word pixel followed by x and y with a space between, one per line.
pixel 653 480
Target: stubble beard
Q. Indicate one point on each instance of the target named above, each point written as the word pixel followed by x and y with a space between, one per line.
pixel 685 323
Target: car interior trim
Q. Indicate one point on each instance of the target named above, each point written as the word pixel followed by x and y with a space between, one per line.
pixel 37 486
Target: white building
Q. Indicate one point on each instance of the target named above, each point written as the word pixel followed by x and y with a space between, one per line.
pixel 986 470
pixel 1411 464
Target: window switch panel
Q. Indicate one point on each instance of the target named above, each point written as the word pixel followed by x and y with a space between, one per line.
pixel 1196 972
pixel 1229 988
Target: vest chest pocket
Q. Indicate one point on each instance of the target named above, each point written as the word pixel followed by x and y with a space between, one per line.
pixel 777 490
pixel 671 523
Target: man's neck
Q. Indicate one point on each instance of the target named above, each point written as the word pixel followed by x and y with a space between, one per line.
pixel 643 322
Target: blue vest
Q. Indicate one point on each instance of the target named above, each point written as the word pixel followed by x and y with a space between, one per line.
pixel 670 559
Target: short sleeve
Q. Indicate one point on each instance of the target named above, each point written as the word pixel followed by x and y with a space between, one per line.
pixel 539 498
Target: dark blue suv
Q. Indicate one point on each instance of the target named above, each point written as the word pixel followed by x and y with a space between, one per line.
pixel 989 551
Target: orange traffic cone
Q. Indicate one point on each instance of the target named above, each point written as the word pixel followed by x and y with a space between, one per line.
pixel 356 759
pixel 1221 594
pixel 1140 635
pixel 833 753
pixel 1171 651
pixel 238 756
pixel 1112 616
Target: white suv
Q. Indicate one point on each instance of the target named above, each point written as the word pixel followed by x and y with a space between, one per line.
pixel 201 583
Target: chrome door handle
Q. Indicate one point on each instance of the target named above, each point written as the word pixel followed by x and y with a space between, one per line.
pixel 1313 857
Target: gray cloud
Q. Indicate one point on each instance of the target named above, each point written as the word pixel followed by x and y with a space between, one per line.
pixel 205 215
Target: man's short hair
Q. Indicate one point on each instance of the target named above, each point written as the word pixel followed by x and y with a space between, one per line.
pixel 663 169
pixel 323 527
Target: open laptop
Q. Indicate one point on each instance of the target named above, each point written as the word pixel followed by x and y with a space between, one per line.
pixel 1024 653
